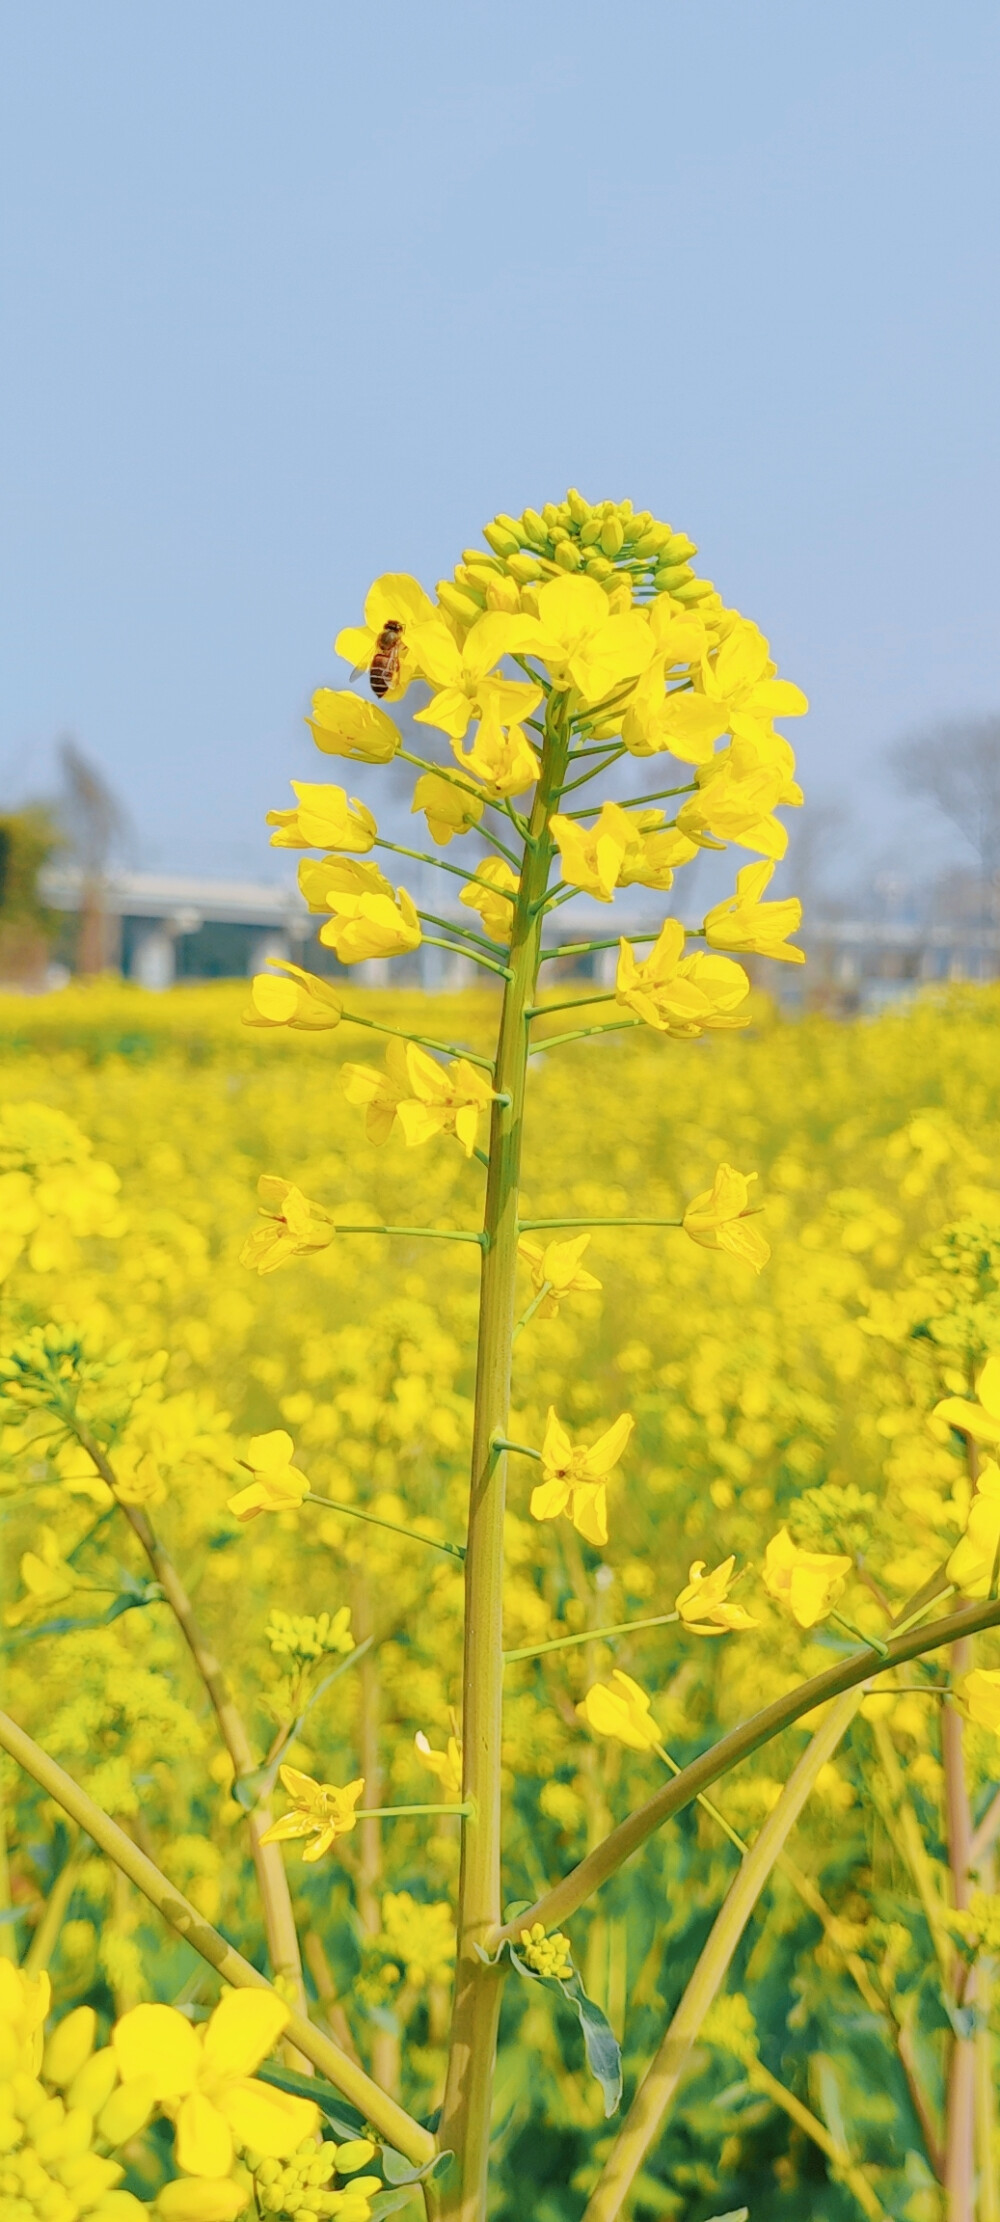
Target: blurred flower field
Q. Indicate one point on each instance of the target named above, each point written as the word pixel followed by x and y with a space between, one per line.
pixel 133 1130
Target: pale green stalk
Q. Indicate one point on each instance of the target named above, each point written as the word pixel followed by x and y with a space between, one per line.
pixel 649 2108
pixel 465 2121
pixel 390 2120
pixel 39 1953
pixel 843 2163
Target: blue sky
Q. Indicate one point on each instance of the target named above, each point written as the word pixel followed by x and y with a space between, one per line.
pixel 295 295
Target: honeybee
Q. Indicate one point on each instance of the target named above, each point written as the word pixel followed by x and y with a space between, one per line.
pixel 383 671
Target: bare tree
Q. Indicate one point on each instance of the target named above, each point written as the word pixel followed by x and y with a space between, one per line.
pixel 956 767
pixel 96 830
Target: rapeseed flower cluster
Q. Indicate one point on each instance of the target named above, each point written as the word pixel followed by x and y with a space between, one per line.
pixel 243 1550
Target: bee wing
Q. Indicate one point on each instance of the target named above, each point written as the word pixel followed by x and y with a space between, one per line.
pixel 358 669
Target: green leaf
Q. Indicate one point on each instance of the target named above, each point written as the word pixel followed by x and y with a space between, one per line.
pixel 389 2202
pixel 604 2053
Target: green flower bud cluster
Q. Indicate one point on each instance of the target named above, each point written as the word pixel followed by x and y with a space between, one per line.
pixel 962 1279
pixel 606 541
pixel 547 1955
pixel 304 2186
pixel 303 1636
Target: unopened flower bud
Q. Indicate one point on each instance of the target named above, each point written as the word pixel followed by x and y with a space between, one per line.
pixel 669 576
pixel 612 536
pixel 480 561
pixel 93 2086
pixel 69 2046
pixel 578 508
pixel 523 568
pixel 535 528
pixel 678 548
pixel 501 539
pixel 502 594
pixel 457 604
pixel 568 555
pixel 590 533
pixel 599 568
pixel 467 579
pixel 694 591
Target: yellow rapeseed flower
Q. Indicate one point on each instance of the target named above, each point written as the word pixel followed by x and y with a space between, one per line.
pixel 620 1708
pixel 555 1267
pixel 679 995
pixel 342 725
pixel 447 807
pixel 975 1561
pixel 295 998
pixel 396 598
pixel 980 1420
pixel 717 1218
pixel 322 1811
pixel 293 1226
pixel 277 1485
pixel 980 1692
pixel 203 2078
pixel 547 1955
pixel 445 1765
pixel 705 1606
pixel 323 818
pixel 808 1582
pixel 575 1476
pixel 426 1097
pixel 488 894
pixel 464 674
pixel 746 924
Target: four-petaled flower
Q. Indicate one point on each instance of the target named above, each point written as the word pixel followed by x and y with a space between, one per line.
pixel 426 1098
pixel 584 643
pixel 808 1582
pixel 445 1765
pixel 746 924
pixel 293 1226
pixel 490 894
pixel 575 1477
pixel 394 598
pixel 464 674
pixel 717 1218
pixel 204 2079
pixel 555 1267
pixel 620 1708
pixel 705 1607
pixel 293 997
pixel 679 995
pixel 323 818
pixel 448 807
pixel 321 1811
pixel 277 1485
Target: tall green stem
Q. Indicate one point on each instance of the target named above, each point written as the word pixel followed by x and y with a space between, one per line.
pixel 465 2122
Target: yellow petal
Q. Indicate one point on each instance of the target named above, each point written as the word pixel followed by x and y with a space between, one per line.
pixel 271 2122
pixel 157 2041
pixel 204 2141
pixel 244 2028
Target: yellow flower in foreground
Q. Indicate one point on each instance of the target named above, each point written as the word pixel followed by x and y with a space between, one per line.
pixel 447 807
pixel 488 894
pixel 982 1419
pixel 426 1098
pixel 293 1226
pixel 736 800
pixel 575 1479
pixel 679 995
pixel 974 1561
pixel 620 1708
pixel 342 725
pixel 320 1810
pixel 371 925
pixel 584 644
pixel 624 849
pixel 293 997
pixel 705 1607
pixel 981 1693
pixel 558 1265
pixel 445 1765
pixel 717 1218
pixel 24 2005
pixel 204 2079
pixel 501 754
pixel 468 685
pixel 277 1485
pixel 47 1580
pixel 323 818
pixel 808 1582
pixel 744 923
pixel 394 597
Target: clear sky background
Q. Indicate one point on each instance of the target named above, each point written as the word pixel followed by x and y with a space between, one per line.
pixel 297 294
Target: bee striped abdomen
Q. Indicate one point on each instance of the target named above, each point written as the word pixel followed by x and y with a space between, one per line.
pixel 384 668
